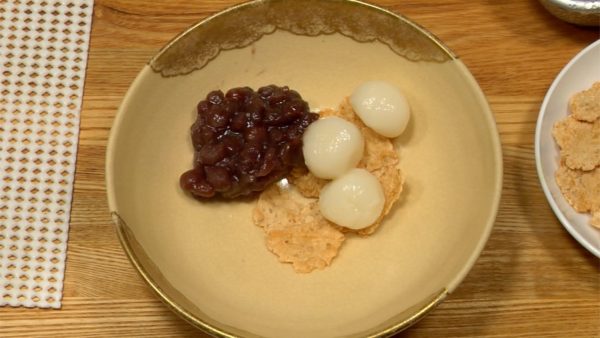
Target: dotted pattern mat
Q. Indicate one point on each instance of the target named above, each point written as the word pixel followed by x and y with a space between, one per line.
pixel 43 56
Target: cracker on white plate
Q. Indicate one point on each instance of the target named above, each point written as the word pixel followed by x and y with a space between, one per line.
pixel 579 142
pixel 585 105
pixel 581 189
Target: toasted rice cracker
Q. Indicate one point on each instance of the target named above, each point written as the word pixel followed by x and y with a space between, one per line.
pixel 585 105
pixel 296 231
pixel 380 158
pixel 581 189
pixel 579 142
pixel 307 184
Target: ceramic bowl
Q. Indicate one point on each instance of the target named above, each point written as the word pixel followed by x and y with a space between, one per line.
pixel 208 261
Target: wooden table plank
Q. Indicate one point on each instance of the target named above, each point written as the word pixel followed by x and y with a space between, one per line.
pixel 532 279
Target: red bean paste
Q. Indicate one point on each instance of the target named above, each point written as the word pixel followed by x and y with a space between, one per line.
pixel 245 140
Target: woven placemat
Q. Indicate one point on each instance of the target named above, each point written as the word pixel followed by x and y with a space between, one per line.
pixel 43 57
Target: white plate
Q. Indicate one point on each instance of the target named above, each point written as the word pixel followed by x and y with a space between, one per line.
pixel 579 74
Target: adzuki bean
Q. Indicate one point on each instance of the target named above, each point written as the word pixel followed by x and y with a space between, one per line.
pixel 245 140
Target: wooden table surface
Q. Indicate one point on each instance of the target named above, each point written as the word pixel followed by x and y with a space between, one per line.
pixel 532 279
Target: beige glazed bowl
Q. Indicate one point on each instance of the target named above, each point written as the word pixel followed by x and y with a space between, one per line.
pixel 208 261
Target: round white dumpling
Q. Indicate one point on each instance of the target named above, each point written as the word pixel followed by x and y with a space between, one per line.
pixel 354 200
pixel 332 146
pixel 382 107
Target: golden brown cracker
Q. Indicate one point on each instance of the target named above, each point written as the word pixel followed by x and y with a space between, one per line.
pixel 579 142
pixel 296 231
pixel 307 246
pixel 581 189
pixel 379 158
pixel 307 184
pixel 274 205
pixel 585 105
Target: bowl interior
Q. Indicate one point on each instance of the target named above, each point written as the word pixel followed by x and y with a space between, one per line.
pixel 578 75
pixel 209 261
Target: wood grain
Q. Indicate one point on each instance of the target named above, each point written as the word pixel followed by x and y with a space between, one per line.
pixel 532 280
